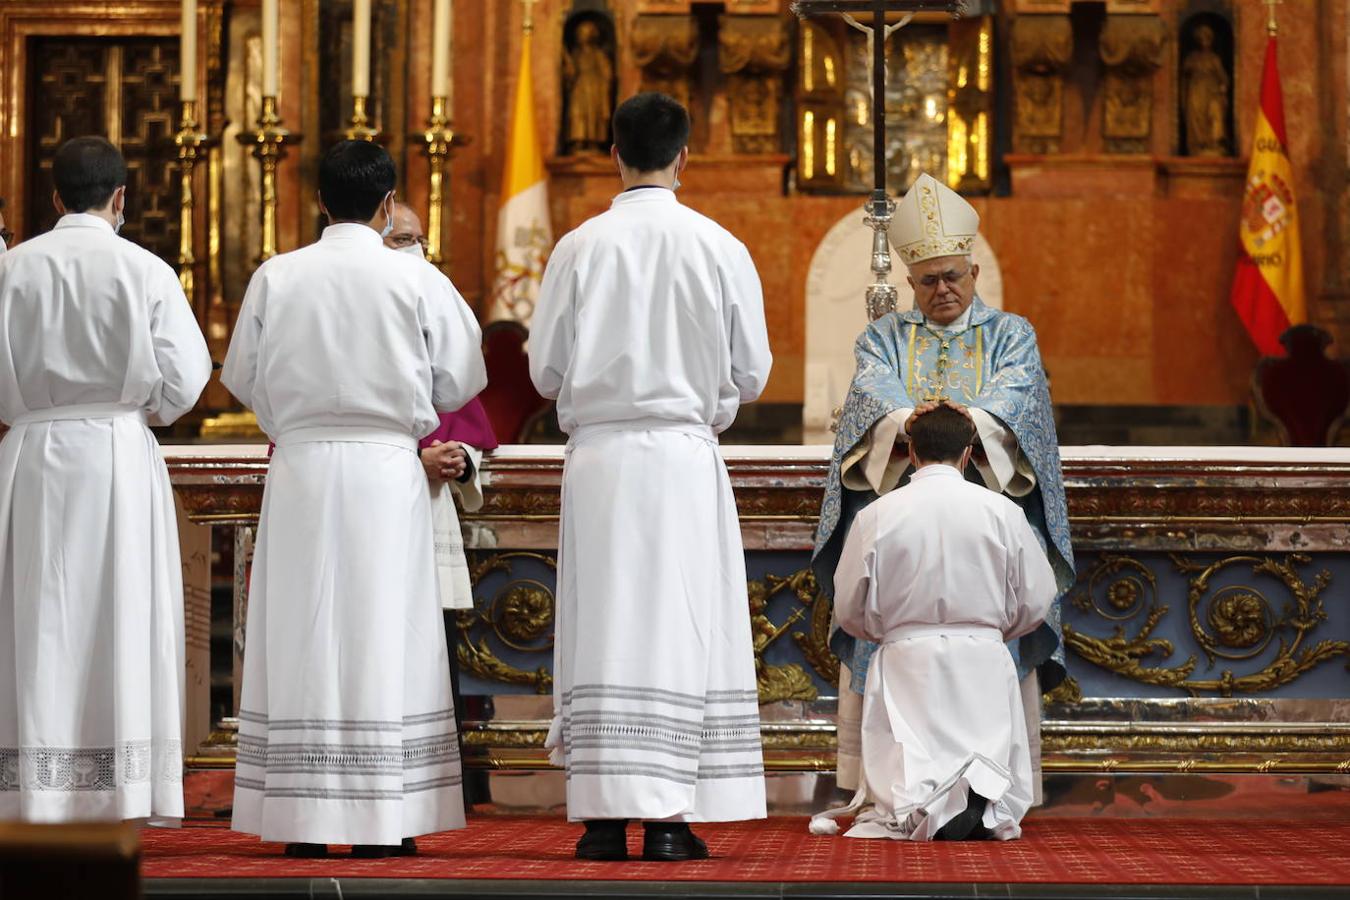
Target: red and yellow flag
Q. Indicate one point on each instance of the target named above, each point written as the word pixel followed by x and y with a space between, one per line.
pixel 1268 287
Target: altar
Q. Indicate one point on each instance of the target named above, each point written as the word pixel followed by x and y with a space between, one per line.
pixel 1207 631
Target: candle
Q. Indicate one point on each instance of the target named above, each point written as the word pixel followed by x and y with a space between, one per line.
pixel 440 49
pixel 271 23
pixel 187 53
pixel 361 48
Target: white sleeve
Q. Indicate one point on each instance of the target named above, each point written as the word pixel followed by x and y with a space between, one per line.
pixel 180 350
pixel 743 309
pixel 552 331
pixel 240 372
pixel 854 581
pixel 470 490
pixel 454 346
pixel 1008 471
pixel 1031 580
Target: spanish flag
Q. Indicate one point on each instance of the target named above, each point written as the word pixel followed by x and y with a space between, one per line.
pixel 524 237
pixel 1268 287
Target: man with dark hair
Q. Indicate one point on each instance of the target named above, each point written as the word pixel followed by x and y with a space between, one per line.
pixel 347 351
pixel 88 172
pixel 940 573
pixel 97 341
pixel 650 334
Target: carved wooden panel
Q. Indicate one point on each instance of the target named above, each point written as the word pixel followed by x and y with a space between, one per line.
pixel 125 89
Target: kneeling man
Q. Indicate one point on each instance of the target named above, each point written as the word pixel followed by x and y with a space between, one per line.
pixel 941 573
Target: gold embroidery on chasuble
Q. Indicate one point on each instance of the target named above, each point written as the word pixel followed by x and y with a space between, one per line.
pixel 944 365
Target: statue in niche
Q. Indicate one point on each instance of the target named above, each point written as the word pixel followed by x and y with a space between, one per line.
pixel 1204 97
pixel 588 74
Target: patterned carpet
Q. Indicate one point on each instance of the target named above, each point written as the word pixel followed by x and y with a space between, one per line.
pixel 1053 850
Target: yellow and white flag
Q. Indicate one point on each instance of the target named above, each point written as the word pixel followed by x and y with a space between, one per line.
pixel 524 237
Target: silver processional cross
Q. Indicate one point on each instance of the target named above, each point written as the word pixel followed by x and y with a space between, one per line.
pixel 881 294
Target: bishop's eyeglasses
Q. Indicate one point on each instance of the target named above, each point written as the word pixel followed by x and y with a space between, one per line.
pixel 951 276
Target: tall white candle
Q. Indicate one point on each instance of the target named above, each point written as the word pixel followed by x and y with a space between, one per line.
pixel 441 36
pixel 271 25
pixel 361 48
pixel 187 53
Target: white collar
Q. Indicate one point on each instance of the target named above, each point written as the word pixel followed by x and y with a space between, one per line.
pixel 961 323
pixel 84 220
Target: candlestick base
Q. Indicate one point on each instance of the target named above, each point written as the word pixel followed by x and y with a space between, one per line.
pixel 439 141
pixel 189 140
pixel 269 141
pixel 360 128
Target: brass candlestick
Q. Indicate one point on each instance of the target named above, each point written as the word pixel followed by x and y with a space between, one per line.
pixel 269 142
pixel 359 129
pixel 189 140
pixel 440 139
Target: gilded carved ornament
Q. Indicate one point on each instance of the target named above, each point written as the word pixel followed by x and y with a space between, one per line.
pixel 1235 623
pixel 1132 50
pixel 664 48
pixel 1042 47
pixel 520 616
pixel 754 52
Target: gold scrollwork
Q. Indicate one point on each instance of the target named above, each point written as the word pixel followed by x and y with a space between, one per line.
pixel 784 682
pixel 519 615
pixel 1232 622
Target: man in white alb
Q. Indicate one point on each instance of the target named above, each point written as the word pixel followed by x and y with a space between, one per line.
pixel 650 334
pixel 346 350
pixel 941 573
pixel 96 342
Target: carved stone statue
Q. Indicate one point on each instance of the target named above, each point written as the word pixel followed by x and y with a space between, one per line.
pixel 1205 87
pixel 589 77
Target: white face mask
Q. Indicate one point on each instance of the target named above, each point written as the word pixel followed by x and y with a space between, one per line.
pixel 3 248
pixel 413 249
pixel 388 222
pixel 121 220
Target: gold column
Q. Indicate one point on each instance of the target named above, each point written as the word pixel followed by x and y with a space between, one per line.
pixel 269 142
pixel 189 141
pixel 440 139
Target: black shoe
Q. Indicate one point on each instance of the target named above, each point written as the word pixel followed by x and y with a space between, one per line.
pixel 671 842
pixel 605 840
pixel 407 848
pixel 968 824
pixel 376 851
pixel 307 851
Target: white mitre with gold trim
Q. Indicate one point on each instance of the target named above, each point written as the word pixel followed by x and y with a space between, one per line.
pixel 932 220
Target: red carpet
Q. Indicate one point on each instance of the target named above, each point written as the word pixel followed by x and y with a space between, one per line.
pixel 1052 850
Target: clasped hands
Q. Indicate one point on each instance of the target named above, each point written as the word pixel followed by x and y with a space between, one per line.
pixel 445 460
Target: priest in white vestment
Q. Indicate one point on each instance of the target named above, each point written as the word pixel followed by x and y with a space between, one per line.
pixel 346 350
pixel 650 334
pixel 96 342
pixel 941 573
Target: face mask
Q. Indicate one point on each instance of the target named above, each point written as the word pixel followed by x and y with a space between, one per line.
pixel 413 249
pixel 3 248
pixel 676 185
pixel 388 223
pixel 121 220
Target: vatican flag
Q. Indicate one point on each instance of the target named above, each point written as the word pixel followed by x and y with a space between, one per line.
pixel 1268 287
pixel 524 237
